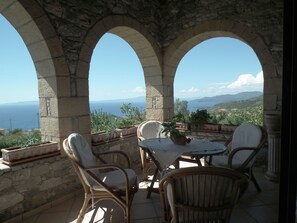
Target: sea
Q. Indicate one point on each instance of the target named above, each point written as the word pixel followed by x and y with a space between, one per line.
pixel 25 116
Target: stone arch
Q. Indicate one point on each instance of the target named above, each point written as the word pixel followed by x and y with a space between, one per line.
pixel 195 35
pixel 46 51
pixel 146 49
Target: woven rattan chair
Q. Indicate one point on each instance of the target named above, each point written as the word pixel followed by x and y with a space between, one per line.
pixel 201 194
pixel 245 143
pixel 148 130
pixel 100 180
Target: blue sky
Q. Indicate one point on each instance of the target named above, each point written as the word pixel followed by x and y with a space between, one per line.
pixel 216 66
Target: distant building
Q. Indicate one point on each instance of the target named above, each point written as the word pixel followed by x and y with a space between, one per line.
pixel 2 130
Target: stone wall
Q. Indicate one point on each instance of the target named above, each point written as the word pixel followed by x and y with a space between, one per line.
pixel 28 186
pixel 73 19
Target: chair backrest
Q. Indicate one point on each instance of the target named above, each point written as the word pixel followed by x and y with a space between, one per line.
pixel 81 150
pixel 80 153
pixel 201 194
pixel 150 129
pixel 246 135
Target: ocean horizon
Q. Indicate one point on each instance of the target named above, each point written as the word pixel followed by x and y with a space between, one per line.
pixel 25 115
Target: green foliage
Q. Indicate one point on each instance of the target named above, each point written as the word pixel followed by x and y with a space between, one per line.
pixel 199 117
pixel 31 138
pixel 217 117
pixel 179 117
pixel 169 128
pixel 247 115
pixel 19 139
pixel 181 112
pixel 16 131
pixel 252 102
pixel 132 115
pixel 103 121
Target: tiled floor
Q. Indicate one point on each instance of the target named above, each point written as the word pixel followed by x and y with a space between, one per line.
pixel 253 207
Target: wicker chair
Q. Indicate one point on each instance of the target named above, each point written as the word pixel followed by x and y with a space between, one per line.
pixel 148 130
pixel 100 180
pixel 201 194
pixel 245 143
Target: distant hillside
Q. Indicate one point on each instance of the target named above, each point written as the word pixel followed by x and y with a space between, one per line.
pixel 229 97
pixel 252 102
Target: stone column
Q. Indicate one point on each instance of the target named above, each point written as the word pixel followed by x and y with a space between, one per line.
pixel 273 126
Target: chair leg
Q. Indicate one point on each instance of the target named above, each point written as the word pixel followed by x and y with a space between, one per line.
pixel 252 176
pixel 144 164
pixel 83 209
pixel 127 215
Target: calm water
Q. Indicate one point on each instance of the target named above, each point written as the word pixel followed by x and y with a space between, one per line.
pixel 26 116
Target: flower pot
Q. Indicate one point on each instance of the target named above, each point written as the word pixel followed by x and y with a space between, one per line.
pixel 17 155
pixel 127 131
pixel 180 140
pixel 228 128
pixel 212 127
pixel 103 137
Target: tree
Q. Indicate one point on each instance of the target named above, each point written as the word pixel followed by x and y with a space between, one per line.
pixel 181 112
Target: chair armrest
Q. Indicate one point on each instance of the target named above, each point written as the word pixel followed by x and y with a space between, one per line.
pixel 140 138
pixel 239 149
pixel 118 152
pixel 108 166
pixel 103 166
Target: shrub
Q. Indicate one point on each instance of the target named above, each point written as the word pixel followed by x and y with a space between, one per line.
pixel 181 112
pixel 19 139
pixel 102 121
pixel 199 117
pixel 132 115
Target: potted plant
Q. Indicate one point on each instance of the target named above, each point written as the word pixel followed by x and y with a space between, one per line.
pixel 31 149
pixel 177 137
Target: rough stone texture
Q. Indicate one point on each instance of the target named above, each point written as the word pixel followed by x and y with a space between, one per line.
pixel 27 186
pixel 61 36
pixel 64 34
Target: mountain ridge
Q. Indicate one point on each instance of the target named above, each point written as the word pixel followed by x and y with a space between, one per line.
pixel 230 97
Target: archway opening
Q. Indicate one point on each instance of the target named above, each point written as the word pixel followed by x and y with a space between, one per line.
pixel 19 107
pixel 116 81
pixel 221 70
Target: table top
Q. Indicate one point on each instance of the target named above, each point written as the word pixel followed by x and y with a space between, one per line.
pixel 166 152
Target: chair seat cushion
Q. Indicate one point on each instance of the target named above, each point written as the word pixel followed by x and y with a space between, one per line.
pixel 115 179
pixel 222 161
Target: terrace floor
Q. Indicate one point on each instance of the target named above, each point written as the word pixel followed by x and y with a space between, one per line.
pixel 253 207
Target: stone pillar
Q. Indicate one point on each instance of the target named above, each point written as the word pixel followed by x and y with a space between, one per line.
pixel 273 126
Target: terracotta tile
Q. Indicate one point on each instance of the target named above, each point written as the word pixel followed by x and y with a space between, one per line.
pixel 263 214
pixel 142 211
pixel 239 215
pixel 52 217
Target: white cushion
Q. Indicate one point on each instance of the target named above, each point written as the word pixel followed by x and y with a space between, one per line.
pixel 115 179
pixel 81 150
pixel 222 161
pixel 245 135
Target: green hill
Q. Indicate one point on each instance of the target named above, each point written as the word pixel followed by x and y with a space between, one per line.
pixel 249 103
pixel 230 97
